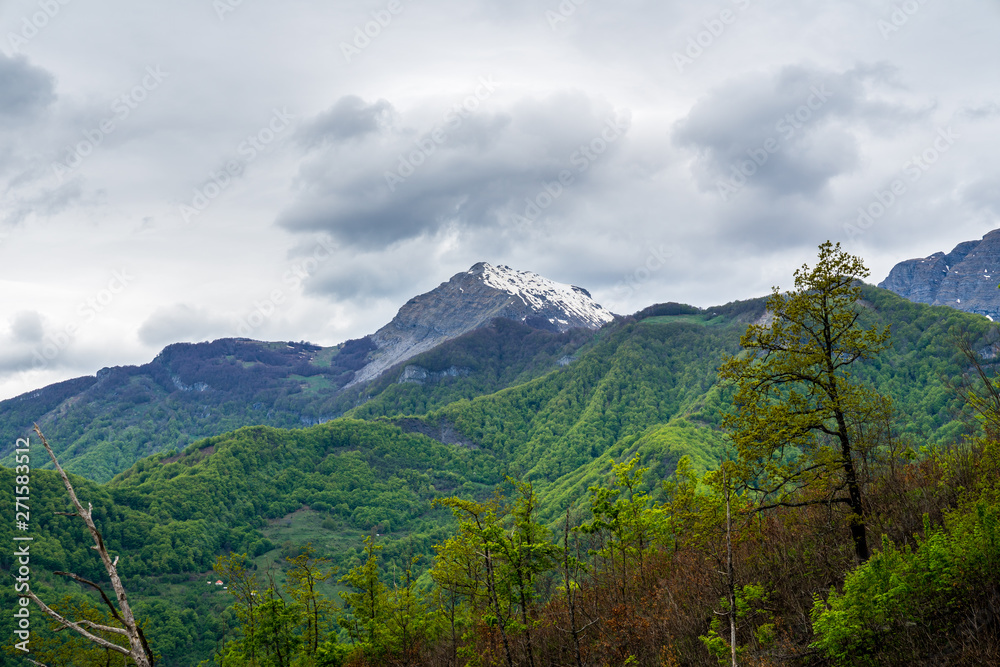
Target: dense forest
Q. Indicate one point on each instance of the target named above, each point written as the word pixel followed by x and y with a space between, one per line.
pixel 101 425
pixel 570 500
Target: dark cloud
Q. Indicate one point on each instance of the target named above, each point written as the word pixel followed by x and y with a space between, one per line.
pixel 183 323
pixel 790 132
pixel 367 276
pixel 473 169
pixel 349 118
pixel 25 90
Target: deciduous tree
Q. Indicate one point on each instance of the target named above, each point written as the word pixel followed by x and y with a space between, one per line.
pixel 795 398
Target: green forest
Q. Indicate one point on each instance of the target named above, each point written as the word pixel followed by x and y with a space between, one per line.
pixel 808 479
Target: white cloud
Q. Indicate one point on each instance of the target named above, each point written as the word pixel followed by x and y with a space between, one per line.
pixel 552 87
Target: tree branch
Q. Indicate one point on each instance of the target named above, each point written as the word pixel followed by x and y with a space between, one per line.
pixel 81 580
pixel 100 641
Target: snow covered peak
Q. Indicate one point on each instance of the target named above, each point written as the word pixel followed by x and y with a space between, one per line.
pixel 543 295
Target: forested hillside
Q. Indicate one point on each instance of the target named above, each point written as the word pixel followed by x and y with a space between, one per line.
pixel 102 425
pixel 605 427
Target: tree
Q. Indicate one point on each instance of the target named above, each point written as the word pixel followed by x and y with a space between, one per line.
pixel 496 561
pixel 367 603
pixel 625 524
pixel 241 581
pixel 796 424
pixel 306 573
pixel 469 563
pixel 138 650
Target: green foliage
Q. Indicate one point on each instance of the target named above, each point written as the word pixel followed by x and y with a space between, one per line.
pixel 640 392
pixel 797 423
pixel 899 592
pixel 367 603
pixel 751 601
pixel 634 377
pixel 626 524
pixel 306 574
pixel 495 561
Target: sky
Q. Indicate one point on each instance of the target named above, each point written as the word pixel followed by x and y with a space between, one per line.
pixel 202 169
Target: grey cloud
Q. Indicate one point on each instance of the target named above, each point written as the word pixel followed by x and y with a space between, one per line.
pixel 24 88
pixel 982 195
pixel 479 173
pixel 982 111
pixel 27 327
pixel 364 277
pixel 799 125
pixel 46 203
pixel 182 322
pixel 349 118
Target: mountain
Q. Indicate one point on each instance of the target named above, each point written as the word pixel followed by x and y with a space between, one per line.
pixel 565 406
pixel 479 332
pixel 473 299
pixel 964 279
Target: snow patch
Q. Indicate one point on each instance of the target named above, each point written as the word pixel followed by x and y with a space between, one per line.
pixel 540 292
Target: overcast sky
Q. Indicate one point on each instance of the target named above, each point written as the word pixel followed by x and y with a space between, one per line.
pixel 200 169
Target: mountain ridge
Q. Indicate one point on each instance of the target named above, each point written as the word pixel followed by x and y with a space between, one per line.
pixel 965 278
pixel 473 298
pixel 104 423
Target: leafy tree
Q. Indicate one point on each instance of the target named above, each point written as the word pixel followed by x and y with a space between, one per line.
pixel 626 524
pixel 470 563
pixel 368 605
pixel 495 561
pixel 527 553
pixel 243 585
pixel 306 572
pixel 278 620
pixel 795 426
pixel 408 613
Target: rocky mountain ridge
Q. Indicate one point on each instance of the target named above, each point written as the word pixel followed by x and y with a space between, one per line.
pixel 478 332
pixel 965 278
pixel 472 299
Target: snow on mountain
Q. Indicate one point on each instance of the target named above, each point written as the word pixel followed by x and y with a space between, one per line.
pixel 472 299
pixel 540 293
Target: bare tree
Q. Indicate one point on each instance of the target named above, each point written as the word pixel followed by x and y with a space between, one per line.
pixel 138 649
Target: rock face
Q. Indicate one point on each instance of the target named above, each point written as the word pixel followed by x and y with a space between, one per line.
pixel 473 299
pixel 965 279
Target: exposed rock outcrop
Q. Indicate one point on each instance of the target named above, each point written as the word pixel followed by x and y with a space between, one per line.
pixel 965 279
pixel 472 299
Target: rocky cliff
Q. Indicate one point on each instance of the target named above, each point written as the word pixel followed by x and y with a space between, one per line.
pixel 965 279
pixel 472 299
